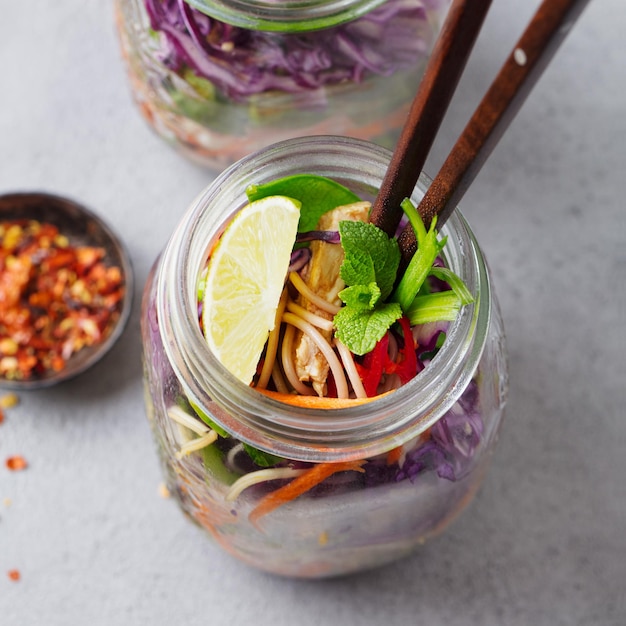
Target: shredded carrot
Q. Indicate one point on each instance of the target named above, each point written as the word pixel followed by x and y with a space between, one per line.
pixel 303 483
pixel 317 402
pixel 393 456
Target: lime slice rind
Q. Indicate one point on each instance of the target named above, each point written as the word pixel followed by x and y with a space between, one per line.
pixel 244 281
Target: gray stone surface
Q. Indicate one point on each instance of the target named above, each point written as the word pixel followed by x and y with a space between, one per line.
pixel 545 540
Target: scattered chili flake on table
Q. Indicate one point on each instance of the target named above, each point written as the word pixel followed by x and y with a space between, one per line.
pixel 14 574
pixel 16 463
pixel 9 400
pixel 164 492
pixel 55 298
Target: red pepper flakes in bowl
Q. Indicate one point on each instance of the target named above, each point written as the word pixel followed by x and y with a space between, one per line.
pixel 64 289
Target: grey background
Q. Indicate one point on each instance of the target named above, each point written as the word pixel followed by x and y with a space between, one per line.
pixel 545 540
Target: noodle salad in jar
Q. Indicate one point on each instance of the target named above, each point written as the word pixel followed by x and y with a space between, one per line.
pixel 320 407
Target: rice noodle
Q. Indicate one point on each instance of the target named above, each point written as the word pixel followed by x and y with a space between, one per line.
pixel 288 364
pixel 197 444
pixel 325 348
pixel 261 476
pixel 278 379
pixel 350 367
pixel 391 382
pixel 176 414
pixel 316 320
pixel 392 347
pixel 231 454
pixel 272 344
pixel 306 292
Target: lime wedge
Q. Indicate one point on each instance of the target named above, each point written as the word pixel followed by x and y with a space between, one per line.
pixel 316 194
pixel 245 277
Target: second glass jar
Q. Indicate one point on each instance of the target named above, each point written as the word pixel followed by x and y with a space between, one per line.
pixel 221 79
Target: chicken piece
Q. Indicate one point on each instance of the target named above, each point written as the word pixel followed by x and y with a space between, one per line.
pixel 322 277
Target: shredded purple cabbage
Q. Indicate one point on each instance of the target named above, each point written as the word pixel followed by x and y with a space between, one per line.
pixel 429 456
pixel 448 452
pixel 329 236
pixel 299 258
pixel 241 62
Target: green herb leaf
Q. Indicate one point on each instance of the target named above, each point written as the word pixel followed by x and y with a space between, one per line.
pixel 369 269
pixel 361 297
pixel 208 421
pixel 360 329
pixel 260 458
pixel 370 256
pixel 213 459
pixel 357 267
pixel 317 195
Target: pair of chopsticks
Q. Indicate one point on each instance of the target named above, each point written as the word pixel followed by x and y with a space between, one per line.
pixel 521 70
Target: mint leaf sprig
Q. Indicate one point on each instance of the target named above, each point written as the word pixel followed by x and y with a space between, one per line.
pixel 370 265
pixel 369 269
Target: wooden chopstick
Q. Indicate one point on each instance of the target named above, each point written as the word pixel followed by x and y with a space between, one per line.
pixel 522 69
pixel 443 71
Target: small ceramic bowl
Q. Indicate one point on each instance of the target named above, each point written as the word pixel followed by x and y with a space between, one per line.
pixel 82 228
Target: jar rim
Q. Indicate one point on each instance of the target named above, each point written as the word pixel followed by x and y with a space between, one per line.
pixel 293 16
pixel 311 434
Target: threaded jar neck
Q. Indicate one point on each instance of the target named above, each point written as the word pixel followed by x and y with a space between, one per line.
pixel 308 434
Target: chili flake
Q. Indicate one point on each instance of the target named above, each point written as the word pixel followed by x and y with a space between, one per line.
pixel 55 298
pixel 9 400
pixel 164 492
pixel 13 574
pixel 16 463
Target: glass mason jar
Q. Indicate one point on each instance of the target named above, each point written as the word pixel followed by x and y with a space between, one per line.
pixel 219 79
pixel 425 447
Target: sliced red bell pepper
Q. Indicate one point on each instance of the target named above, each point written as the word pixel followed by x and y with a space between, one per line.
pixel 377 362
pixel 406 365
pixel 372 366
